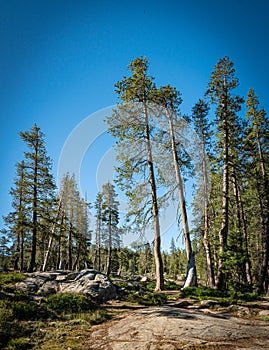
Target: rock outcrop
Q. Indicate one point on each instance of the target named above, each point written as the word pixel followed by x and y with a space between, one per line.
pixel 88 282
pixel 169 328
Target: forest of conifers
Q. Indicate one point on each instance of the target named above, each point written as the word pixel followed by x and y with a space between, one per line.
pixel 227 243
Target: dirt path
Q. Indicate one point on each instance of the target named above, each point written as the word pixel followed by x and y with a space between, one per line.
pixel 169 327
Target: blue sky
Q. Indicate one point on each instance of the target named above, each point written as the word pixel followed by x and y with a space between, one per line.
pixel 60 59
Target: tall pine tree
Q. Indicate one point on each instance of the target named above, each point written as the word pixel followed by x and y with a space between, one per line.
pixel 132 127
pixel 221 84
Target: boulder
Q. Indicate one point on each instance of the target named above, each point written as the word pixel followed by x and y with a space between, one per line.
pixel 88 282
pixel 208 303
pixel 92 283
pixel 264 313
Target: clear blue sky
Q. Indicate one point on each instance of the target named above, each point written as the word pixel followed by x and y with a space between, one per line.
pixel 60 59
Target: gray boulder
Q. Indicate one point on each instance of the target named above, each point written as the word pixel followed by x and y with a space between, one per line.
pixel 88 282
pixel 92 283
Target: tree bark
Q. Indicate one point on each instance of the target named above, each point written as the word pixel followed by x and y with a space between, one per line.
pixel 51 238
pixel 264 212
pixel 191 277
pixel 108 264
pixel 207 246
pixel 223 234
pixel 32 265
pixel 70 238
pixel 155 209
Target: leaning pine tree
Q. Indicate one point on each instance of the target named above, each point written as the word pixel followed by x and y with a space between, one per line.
pixel 131 124
pixel 172 125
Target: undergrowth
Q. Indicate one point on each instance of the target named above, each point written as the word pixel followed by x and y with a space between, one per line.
pixel 229 296
pixel 10 278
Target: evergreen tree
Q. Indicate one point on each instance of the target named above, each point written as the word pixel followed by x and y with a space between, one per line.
pixel 98 229
pixel 130 124
pixel 172 126
pixel 76 221
pixel 18 220
pixel 221 84
pixel 32 195
pixel 4 249
pixel 110 218
pixel 257 137
pixel 203 129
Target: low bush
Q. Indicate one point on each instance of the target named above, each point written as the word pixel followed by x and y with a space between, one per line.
pixel 69 303
pixel 10 327
pixel 229 296
pixel 201 293
pixel 22 310
pixel 20 344
pixel 11 277
pixel 147 299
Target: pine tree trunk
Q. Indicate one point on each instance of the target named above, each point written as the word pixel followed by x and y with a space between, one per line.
pixel 17 253
pixel 245 236
pixel 59 258
pixel 51 238
pixel 207 247
pixel 22 250
pixel 76 263
pixel 70 238
pixel 223 234
pixel 191 278
pixel 108 264
pixel 32 265
pixel 264 213
pixel 155 210
pixel 46 258
pixel 206 242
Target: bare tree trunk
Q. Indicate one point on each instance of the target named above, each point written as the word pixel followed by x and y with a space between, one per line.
pixel 261 287
pixel 22 251
pixel 59 258
pixel 245 233
pixel 46 258
pixel 108 264
pixel 51 238
pixel 242 247
pixel 32 265
pixel 76 263
pixel 223 234
pixel 206 242
pixel 191 276
pixel 70 238
pixel 155 209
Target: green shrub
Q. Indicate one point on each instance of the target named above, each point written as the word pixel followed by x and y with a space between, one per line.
pixel 22 310
pixel 11 277
pixel 20 344
pixel 148 298
pixel 201 293
pixel 171 285
pixel 230 296
pixel 10 328
pixel 150 286
pixel 69 303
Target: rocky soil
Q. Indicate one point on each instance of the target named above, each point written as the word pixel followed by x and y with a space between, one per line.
pixel 171 327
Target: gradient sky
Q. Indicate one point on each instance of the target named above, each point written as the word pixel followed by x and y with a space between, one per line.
pixel 60 59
